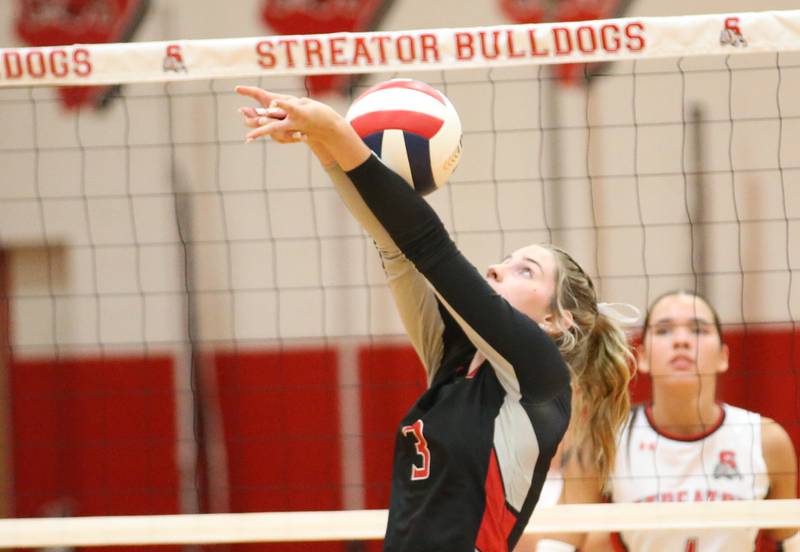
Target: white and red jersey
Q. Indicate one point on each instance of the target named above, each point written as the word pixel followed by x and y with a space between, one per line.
pixel 724 463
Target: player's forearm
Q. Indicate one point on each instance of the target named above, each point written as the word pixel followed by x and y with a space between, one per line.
pixel 412 224
pixel 342 143
pixel 355 204
pixel 322 154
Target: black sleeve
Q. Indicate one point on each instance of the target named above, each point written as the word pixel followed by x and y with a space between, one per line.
pixel 500 329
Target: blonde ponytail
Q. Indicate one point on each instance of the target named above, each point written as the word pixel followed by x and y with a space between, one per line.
pixel 597 352
pixel 601 396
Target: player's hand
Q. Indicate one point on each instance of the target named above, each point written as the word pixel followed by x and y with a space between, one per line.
pixel 255 117
pixel 290 118
pixel 264 97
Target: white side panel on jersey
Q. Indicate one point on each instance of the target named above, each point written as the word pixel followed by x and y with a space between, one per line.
pixel 394 154
pixel 517 450
pixel 502 368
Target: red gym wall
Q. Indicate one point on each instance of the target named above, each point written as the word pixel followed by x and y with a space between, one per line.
pixel 97 435
pixel 94 436
pixel 281 420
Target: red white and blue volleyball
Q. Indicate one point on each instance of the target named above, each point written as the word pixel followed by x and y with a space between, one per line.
pixel 412 127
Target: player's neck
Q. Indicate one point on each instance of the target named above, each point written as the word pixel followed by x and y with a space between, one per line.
pixel 685 418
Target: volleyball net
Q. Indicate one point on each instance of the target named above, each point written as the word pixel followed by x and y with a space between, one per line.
pixel 193 328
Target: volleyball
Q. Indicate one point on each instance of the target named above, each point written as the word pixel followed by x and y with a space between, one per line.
pixel 412 127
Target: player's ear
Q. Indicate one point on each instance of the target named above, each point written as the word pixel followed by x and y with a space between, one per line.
pixel 547 325
pixel 724 356
pixel 566 320
pixel 642 365
pixel 555 324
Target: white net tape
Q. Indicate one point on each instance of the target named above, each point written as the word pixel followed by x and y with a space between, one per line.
pixel 417 50
pixel 371 524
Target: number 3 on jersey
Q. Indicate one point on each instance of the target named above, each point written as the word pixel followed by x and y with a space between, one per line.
pixel 423 471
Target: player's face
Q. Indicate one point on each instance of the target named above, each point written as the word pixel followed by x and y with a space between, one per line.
pixel 526 279
pixel 682 341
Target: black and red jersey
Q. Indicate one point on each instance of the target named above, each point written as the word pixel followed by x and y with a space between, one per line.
pixel 472 454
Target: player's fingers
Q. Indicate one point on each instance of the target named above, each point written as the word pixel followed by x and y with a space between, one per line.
pixel 293 109
pixel 253 119
pixel 249 112
pixel 258 116
pixel 280 133
pixel 256 112
pixel 288 137
pixel 249 116
pixel 273 127
pixel 286 105
pixel 272 112
pixel 258 94
pixel 258 133
pixel 264 97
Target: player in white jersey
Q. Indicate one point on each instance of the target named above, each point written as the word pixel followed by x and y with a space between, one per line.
pixel 685 445
pixel 724 462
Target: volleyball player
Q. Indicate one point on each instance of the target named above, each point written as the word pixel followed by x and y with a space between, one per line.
pixel 500 350
pixel 685 445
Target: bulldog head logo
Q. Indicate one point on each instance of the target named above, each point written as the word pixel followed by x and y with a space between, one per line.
pixel 726 467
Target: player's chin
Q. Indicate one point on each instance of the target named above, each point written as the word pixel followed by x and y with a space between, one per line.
pixel 677 378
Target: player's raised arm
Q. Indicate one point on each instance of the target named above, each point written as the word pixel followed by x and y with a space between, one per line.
pixel 415 301
pixel 416 229
pixel 512 338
